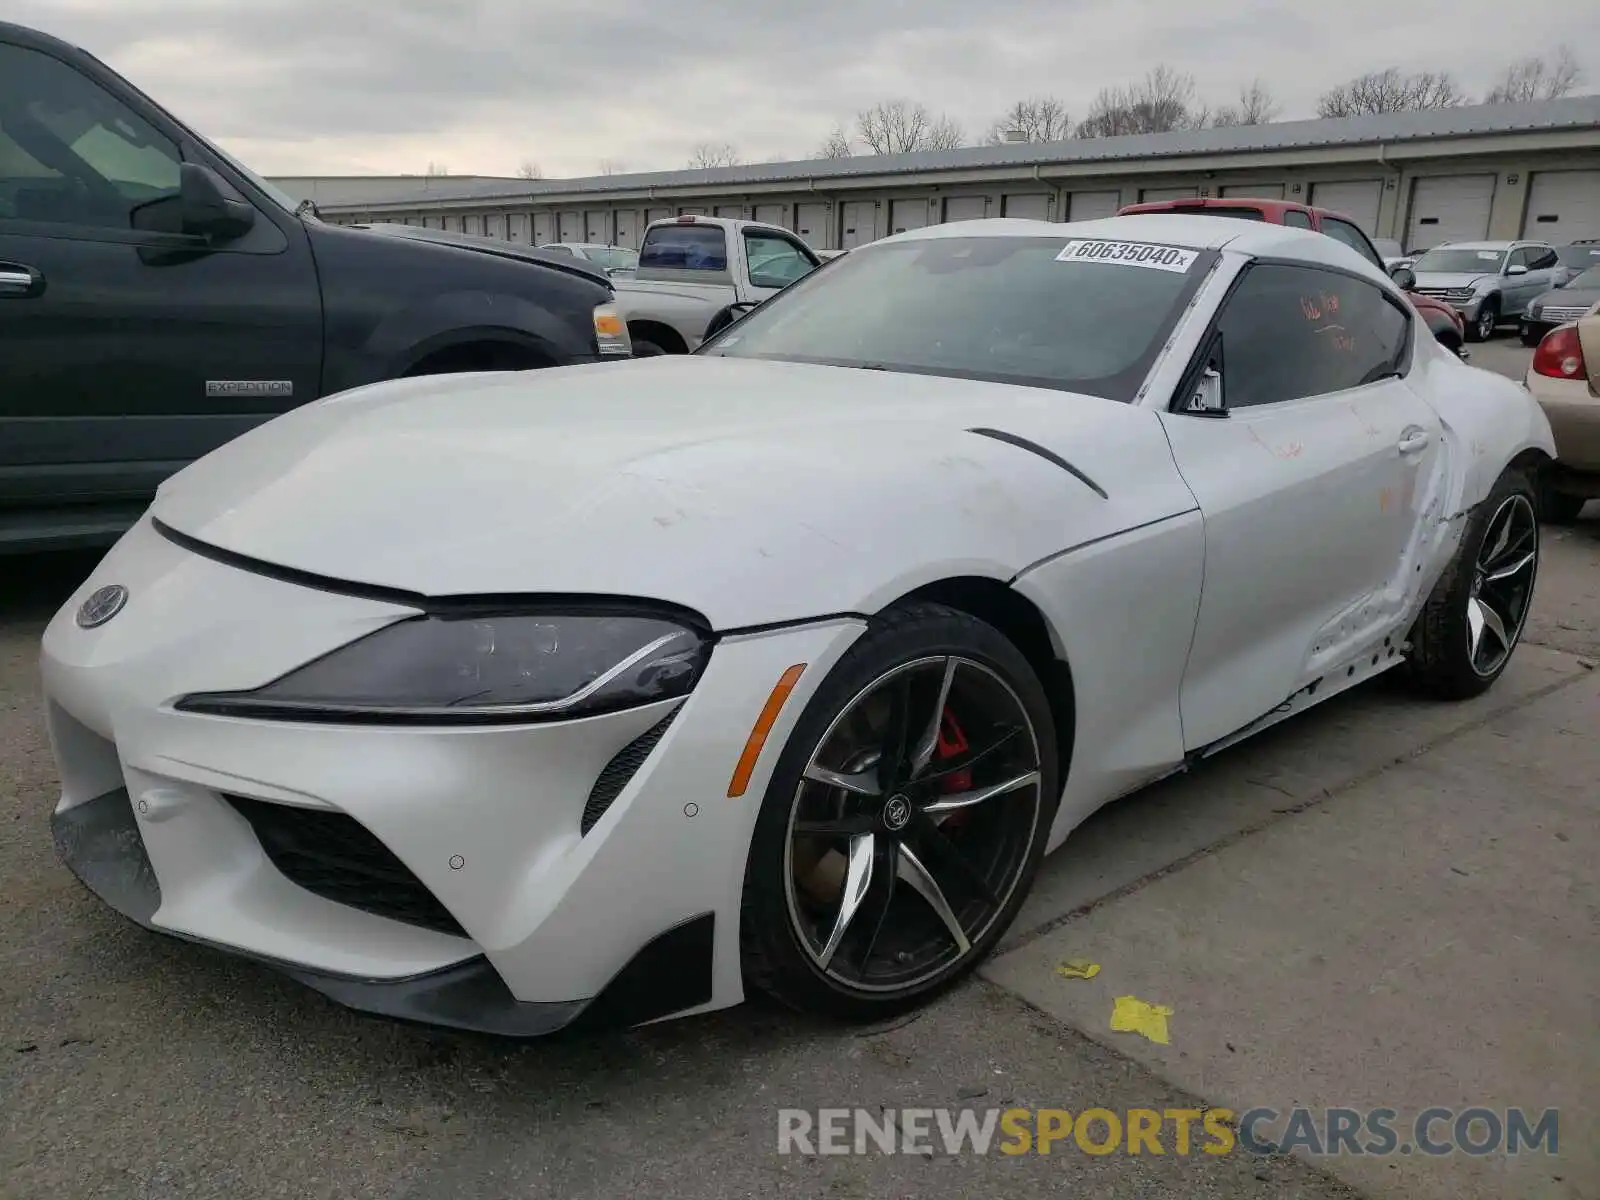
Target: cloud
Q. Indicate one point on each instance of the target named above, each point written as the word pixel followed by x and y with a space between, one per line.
pixel 317 87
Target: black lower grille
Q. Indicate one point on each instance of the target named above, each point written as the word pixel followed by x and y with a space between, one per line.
pixel 336 857
pixel 619 770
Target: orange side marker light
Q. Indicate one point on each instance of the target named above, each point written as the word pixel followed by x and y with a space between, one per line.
pixel 763 726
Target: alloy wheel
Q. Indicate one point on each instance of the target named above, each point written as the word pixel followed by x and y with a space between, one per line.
pixel 1486 323
pixel 1502 584
pixel 912 824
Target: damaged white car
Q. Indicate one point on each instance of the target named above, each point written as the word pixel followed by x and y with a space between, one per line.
pixel 526 701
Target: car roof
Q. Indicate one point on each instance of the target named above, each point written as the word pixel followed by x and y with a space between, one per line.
pixel 1508 244
pixel 1255 238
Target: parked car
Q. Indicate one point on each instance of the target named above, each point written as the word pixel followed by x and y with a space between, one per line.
pixel 778 666
pixel 1576 258
pixel 157 299
pixel 1573 299
pixel 696 269
pixel 616 261
pixel 1487 282
pixel 1563 378
pixel 1391 252
pixel 1442 319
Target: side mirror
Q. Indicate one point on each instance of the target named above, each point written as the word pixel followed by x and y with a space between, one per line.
pixel 1516 269
pixel 210 206
pixel 1404 278
pixel 1207 399
pixel 727 316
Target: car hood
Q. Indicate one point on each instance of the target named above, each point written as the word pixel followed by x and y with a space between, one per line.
pixel 1450 279
pixel 1567 297
pixel 490 246
pixel 752 492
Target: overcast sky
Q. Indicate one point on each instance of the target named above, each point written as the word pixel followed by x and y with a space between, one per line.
pixel 481 86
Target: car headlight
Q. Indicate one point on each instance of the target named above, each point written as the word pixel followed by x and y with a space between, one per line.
pixel 477 668
pixel 611 332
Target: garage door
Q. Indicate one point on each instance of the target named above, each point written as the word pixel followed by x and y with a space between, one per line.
pixel 732 211
pixel 1449 208
pixel 773 214
pixel 495 225
pixel 569 227
pixel 1149 194
pixel 1258 191
pixel 907 214
pixel 652 215
pixel 597 226
pixel 544 228
pixel 691 210
pixel 517 227
pixel 1357 200
pixel 966 208
pixel 811 223
pixel 1028 206
pixel 856 221
pixel 628 227
pixel 1563 206
pixel 1091 206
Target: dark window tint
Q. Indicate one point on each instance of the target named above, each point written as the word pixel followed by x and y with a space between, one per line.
pixel 1239 212
pixel 1544 259
pixel 685 248
pixel 1006 309
pixel 72 154
pixel 1290 332
pixel 1296 218
pixel 1347 233
pixel 774 261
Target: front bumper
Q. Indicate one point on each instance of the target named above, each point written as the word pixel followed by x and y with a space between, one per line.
pixel 466 887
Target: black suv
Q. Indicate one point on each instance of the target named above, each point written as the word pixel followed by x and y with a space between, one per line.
pixel 157 299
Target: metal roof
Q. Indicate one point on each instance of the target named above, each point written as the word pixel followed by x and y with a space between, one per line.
pixel 1575 112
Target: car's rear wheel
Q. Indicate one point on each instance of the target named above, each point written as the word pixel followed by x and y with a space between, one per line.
pixel 1465 636
pixel 1483 328
pixel 1557 507
pixel 905 819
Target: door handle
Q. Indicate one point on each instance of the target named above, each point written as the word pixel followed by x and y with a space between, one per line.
pixel 1413 439
pixel 19 282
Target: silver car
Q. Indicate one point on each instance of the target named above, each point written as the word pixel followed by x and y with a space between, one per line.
pixel 617 261
pixel 1488 282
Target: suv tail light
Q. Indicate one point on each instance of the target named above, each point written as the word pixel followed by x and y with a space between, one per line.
pixel 1560 355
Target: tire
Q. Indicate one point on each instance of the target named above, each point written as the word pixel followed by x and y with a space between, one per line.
pixel 904 645
pixel 1483 328
pixel 1531 337
pixel 644 348
pixel 1441 662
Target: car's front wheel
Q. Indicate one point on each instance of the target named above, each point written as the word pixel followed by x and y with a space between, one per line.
pixel 1467 631
pixel 904 821
pixel 1482 329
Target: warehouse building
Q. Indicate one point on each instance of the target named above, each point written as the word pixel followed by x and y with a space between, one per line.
pixel 1487 171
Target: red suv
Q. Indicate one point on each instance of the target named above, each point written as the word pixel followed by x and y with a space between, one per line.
pixel 1442 319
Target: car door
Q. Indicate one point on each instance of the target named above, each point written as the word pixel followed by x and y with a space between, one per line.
pixel 1544 265
pixel 127 346
pixel 1310 482
pixel 1519 284
pixel 775 261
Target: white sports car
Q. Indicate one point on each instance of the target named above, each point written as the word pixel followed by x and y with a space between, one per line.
pixel 526 701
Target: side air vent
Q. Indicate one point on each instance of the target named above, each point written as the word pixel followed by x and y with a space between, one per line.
pixel 620 769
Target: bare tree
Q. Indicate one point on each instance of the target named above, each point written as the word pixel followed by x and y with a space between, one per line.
pixel 437 169
pixel 1041 119
pixel 901 127
pixel 713 154
pixel 529 170
pixel 1537 78
pixel 1162 101
pixel 610 166
pixel 1256 106
pixel 1391 90
pixel 837 144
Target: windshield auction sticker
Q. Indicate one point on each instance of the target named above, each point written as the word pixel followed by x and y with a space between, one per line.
pixel 1128 254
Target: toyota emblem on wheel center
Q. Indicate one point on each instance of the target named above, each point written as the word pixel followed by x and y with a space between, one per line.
pixel 103 604
pixel 896 813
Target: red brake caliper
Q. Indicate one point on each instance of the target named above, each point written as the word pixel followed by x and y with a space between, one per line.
pixel 952 742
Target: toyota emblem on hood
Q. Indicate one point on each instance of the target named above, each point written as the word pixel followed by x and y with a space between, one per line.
pixel 103 604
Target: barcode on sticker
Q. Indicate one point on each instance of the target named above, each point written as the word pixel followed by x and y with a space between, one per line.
pixel 1128 254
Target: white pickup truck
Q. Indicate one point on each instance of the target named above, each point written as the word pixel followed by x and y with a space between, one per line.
pixel 693 268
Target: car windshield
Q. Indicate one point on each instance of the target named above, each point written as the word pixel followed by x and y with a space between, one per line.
pixel 611 257
pixel 1589 279
pixel 1447 260
pixel 1082 315
pixel 1578 256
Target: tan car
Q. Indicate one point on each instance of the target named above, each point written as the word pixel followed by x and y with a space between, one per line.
pixel 1565 378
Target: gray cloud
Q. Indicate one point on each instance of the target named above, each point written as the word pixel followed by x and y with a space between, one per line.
pixel 315 86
